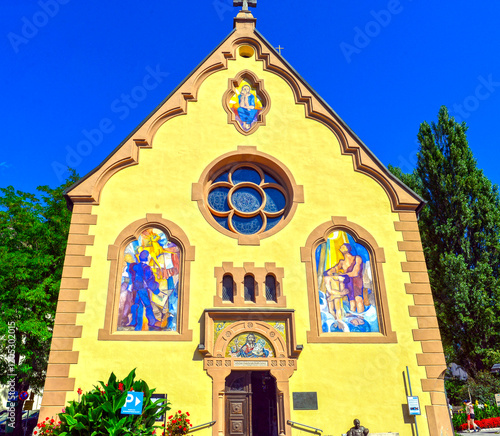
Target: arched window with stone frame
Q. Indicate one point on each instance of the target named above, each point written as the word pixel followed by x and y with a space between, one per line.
pixel 148 292
pixel 346 289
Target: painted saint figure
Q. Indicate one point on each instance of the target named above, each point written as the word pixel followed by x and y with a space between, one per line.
pixel 346 278
pixel 247 111
pixel 246 350
pixel 345 286
pixel 127 296
pixel 149 290
pixel 252 347
pixel 143 282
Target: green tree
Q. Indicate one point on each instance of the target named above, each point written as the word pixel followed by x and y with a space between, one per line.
pixel 33 235
pixel 460 228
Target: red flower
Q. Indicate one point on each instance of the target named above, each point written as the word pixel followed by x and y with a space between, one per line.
pixel 79 391
pixel 179 412
pixel 170 417
pixel 120 386
pixel 35 432
pixel 190 425
pixel 187 413
pixel 163 425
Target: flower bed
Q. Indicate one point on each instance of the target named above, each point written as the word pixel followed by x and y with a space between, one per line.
pixel 483 423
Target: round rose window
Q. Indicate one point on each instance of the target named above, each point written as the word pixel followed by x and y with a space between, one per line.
pixel 247 199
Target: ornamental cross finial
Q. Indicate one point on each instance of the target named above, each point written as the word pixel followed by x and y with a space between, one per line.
pixel 245 4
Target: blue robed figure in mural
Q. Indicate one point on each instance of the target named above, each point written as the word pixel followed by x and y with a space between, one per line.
pixel 247 111
pixel 143 281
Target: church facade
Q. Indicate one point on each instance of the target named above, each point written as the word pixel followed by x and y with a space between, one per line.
pixel 273 278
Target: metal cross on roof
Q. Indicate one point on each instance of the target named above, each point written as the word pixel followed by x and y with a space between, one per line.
pixel 279 48
pixel 245 4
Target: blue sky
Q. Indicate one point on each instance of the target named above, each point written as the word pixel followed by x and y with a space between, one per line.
pixel 72 68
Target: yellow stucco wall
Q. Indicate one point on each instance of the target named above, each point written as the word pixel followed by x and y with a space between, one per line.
pixel 352 380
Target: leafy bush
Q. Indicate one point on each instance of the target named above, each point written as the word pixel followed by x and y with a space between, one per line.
pixel 98 412
pixel 482 386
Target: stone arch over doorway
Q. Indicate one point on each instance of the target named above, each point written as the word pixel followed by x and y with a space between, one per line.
pixel 277 329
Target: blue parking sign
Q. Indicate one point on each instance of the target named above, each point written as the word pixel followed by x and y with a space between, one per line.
pixel 133 403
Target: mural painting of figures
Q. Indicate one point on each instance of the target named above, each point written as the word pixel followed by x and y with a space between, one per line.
pixel 345 285
pixel 149 284
pixel 249 345
pixel 246 105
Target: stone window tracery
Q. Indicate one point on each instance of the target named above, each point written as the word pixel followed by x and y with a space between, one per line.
pixel 247 195
pixel 247 199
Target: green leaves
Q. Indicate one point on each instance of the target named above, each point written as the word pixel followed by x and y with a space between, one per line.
pixel 460 228
pixel 33 234
pixel 99 411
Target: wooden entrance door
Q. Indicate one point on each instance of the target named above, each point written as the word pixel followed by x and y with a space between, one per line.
pixel 239 404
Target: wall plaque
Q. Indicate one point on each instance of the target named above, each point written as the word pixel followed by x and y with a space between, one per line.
pixel 305 401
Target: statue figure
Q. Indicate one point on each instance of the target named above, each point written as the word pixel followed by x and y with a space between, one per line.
pixel 357 430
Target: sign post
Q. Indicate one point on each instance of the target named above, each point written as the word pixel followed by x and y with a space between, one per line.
pixel 413 402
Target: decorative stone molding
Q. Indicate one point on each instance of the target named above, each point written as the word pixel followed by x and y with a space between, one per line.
pixel 62 355
pixel 432 356
pixel 294 193
pixel 281 366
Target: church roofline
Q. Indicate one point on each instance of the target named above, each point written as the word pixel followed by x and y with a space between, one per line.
pixel 148 117
pixel 343 123
pixel 126 153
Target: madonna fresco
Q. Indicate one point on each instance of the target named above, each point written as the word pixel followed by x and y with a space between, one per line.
pixel 246 105
pixel 149 284
pixel 345 285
